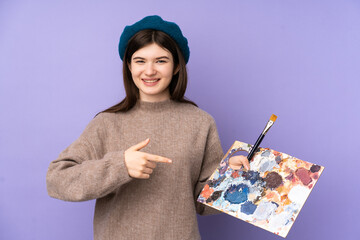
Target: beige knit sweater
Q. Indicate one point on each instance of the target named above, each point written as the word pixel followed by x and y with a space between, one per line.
pixel 161 207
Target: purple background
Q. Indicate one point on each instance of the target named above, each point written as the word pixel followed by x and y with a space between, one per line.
pixel 249 59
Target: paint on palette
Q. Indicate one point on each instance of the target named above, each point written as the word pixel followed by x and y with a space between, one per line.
pixel 270 195
pixel 273 180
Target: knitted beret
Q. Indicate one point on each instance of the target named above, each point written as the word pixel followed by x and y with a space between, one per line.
pixel 157 23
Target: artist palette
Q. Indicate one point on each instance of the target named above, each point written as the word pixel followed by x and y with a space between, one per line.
pixel 269 196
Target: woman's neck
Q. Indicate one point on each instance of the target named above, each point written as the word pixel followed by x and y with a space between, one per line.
pixel 155 98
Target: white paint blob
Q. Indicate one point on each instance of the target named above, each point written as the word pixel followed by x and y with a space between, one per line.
pixel 280 220
pixel 264 210
pixel 299 194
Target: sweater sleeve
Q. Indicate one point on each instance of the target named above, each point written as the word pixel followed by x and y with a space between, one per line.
pixel 84 170
pixel 212 157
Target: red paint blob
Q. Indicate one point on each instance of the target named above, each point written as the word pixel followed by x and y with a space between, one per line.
pixel 304 176
pixel 235 174
pixel 207 191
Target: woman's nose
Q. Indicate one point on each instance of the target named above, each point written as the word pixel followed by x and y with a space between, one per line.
pixel 150 69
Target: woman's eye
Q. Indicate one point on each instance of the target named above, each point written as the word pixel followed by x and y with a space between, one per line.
pixel 161 61
pixel 139 61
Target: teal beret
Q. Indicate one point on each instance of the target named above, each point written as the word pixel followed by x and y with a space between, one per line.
pixel 157 23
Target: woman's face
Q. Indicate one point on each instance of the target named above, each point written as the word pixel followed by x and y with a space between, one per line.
pixel 152 68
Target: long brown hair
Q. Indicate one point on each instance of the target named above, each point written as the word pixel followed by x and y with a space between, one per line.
pixel 178 83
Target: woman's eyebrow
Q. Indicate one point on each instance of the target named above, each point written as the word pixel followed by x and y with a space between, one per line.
pixel 156 58
pixel 163 57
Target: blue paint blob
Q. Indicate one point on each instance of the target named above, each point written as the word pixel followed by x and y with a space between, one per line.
pixel 236 194
pixel 248 208
pixel 252 176
pixel 266 153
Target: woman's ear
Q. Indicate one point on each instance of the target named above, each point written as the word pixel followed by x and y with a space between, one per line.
pixel 129 66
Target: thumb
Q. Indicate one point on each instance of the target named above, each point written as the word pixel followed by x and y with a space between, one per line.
pixel 140 145
pixel 236 162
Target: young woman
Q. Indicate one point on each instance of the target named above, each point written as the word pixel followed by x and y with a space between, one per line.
pixel 147 158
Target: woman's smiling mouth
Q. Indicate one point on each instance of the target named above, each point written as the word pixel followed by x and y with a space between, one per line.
pixel 150 80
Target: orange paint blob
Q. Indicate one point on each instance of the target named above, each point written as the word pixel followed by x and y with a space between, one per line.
pixel 235 174
pixel 207 191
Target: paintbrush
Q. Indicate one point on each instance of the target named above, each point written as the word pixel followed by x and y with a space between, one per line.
pixel 262 135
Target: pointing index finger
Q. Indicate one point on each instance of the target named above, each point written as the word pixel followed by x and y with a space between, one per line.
pixel 156 158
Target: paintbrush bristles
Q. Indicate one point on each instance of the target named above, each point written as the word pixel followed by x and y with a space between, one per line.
pixel 273 118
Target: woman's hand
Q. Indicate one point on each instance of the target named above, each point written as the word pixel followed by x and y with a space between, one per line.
pixel 236 162
pixel 141 164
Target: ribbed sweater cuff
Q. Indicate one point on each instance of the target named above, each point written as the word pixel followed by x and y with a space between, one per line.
pixel 116 161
